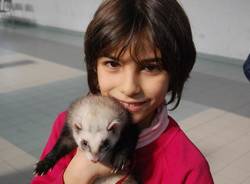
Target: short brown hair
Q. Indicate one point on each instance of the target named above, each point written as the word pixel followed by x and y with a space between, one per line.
pixel 118 23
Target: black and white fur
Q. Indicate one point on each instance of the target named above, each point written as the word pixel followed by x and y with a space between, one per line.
pixel 102 128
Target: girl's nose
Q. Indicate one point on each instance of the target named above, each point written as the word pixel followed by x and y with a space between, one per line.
pixel 130 84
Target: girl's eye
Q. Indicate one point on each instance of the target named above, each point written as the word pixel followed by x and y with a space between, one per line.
pixel 152 68
pixel 112 64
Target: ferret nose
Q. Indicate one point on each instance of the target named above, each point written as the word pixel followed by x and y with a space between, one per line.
pixel 95 158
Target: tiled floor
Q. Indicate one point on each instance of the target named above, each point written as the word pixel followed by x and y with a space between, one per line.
pixel 31 72
pixel 41 72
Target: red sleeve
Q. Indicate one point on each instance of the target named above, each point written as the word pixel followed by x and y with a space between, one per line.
pixel 201 174
pixel 55 176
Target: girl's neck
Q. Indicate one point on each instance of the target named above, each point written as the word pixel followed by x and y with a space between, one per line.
pixel 146 123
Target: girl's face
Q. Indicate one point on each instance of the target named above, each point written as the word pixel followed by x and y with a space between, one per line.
pixel 140 88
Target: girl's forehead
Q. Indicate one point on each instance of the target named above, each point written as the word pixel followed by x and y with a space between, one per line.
pixel 136 46
pixel 137 52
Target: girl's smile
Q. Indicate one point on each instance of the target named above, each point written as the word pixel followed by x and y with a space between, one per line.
pixel 140 86
pixel 134 106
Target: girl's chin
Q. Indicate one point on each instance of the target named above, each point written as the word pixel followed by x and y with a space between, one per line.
pixel 137 119
pixel 142 121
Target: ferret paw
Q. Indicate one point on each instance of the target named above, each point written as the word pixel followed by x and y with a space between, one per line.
pixel 120 163
pixel 42 167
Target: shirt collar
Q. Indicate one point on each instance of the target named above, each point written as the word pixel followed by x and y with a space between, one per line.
pixel 158 125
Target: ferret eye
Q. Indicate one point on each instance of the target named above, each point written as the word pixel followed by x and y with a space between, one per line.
pixel 84 143
pixel 105 145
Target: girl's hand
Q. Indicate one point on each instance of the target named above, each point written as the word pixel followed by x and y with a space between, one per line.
pixel 83 171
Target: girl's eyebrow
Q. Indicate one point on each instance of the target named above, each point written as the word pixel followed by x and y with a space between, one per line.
pixel 111 57
pixel 144 60
pixel 148 60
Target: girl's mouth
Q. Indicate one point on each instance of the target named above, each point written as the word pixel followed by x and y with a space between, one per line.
pixel 133 106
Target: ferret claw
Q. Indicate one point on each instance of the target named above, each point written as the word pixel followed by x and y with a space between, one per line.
pixel 114 171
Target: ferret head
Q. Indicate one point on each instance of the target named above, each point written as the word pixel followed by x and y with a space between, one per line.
pixel 96 124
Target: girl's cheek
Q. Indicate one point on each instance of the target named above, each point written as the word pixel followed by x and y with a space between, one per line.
pixel 107 82
pixel 156 86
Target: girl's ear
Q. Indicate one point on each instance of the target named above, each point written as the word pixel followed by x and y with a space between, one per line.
pixel 113 125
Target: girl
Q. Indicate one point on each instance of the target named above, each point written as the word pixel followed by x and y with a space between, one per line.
pixel 139 52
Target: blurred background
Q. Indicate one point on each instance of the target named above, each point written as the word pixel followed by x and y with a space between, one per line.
pixel 42 71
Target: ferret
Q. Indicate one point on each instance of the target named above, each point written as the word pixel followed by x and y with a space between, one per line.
pixel 103 129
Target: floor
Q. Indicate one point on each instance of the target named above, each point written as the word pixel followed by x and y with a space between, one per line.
pixel 42 71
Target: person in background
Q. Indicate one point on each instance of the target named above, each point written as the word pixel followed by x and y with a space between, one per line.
pixel 246 67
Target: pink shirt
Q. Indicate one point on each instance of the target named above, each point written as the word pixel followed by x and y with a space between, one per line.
pixel 169 158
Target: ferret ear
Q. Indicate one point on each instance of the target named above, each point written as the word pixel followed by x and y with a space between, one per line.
pixel 113 125
pixel 77 123
pixel 77 126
